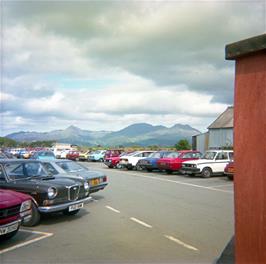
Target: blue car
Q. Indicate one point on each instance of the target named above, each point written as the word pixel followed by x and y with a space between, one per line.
pixel 43 155
pixel 150 163
pixel 97 155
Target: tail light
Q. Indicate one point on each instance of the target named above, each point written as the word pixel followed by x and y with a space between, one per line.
pixel 104 178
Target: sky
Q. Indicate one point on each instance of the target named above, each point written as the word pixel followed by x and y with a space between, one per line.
pixel 103 65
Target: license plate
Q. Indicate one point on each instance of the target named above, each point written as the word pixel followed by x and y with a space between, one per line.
pixel 231 170
pixel 75 207
pixel 8 229
pixel 94 182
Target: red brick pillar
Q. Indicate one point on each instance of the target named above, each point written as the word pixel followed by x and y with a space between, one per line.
pixel 250 148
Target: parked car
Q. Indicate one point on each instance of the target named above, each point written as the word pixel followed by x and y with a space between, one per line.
pixel 96 179
pixel 40 155
pixel 173 161
pixel 49 193
pixel 97 155
pixel 229 170
pixel 111 153
pixel 113 162
pixel 15 208
pixel 72 155
pixel 150 163
pixel 84 155
pixel 213 162
pixel 130 160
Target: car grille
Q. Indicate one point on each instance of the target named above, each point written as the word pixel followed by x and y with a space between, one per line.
pixel 73 192
pixel 12 211
pixel 187 165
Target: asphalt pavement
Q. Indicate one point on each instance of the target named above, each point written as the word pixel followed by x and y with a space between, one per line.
pixel 139 218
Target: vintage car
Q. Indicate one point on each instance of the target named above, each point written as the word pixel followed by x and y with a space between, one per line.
pixel 112 153
pixel 15 208
pixel 150 163
pixel 113 162
pixel 229 170
pixel 173 161
pixel 45 154
pixel 130 160
pixel 72 155
pixel 212 163
pixel 97 155
pixel 83 156
pixel 96 179
pixel 49 194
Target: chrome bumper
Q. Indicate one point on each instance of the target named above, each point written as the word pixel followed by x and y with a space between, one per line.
pixel 61 207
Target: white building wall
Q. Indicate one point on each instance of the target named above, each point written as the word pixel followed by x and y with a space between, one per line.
pixel 220 137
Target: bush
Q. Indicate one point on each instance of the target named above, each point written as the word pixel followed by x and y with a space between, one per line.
pixel 183 144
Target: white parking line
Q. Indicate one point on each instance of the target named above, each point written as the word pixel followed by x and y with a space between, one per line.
pixel 222 185
pixel 181 243
pixel 179 182
pixel 112 209
pixel 140 222
pixel 43 235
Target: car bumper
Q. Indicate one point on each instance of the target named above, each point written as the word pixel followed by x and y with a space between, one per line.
pixel 61 207
pixel 190 171
pixel 98 187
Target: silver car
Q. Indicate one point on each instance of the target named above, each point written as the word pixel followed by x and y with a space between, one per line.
pixel 96 179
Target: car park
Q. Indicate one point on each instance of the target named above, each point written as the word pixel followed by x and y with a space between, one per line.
pixel 15 208
pixel 96 179
pixel 173 161
pixel 130 160
pixel 49 194
pixel 229 170
pixel 150 163
pixel 40 155
pixel 97 155
pixel 212 163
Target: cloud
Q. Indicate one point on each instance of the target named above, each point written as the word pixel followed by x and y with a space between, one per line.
pixel 109 63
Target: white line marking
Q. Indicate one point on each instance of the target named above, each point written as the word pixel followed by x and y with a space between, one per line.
pixel 180 182
pixel 112 209
pixel 180 243
pixel 44 235
pixel 222 185
pixel 140 222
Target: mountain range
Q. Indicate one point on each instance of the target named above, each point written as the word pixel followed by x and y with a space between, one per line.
pixel 142 134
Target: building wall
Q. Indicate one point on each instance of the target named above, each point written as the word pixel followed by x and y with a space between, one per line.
pixel 220 137
pixel 201 142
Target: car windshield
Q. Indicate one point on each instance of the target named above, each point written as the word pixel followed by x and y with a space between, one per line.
pixel 71 166
pixel 210 155
pixel 173 155
pixel 22 170
pixel 155 155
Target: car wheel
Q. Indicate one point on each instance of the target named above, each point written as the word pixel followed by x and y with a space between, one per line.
pixel 168 171
pixel 149 170
pixel 66 212
pixel 35 216
pixel 230 177
pixel 110 166
pixel 206 173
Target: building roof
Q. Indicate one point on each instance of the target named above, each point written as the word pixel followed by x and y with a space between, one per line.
pixel 225 120
pixel 245 47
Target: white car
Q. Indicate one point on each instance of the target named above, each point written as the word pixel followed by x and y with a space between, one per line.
pixel 130 161
pixel 213 162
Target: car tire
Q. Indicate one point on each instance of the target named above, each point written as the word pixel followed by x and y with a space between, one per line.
pixel 66 212
pixel 230 177
pixel 206 173
pixel 35 216
pixel 149 170
pixel 110 166
pixel 169 172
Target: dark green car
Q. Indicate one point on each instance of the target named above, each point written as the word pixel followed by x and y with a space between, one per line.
pixel 49 194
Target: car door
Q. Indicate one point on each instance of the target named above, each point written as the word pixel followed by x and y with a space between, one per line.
pixel 221 161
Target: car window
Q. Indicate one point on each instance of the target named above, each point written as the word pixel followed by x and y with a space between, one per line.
pixel 2 175
pixel 155 155
pixel 210 155
pixel 50 168
pixel 34 169
pixel 222 156
pixel 173 155
pixel 70 166
pixel 231 155
pixel 187 156
pixel 147 154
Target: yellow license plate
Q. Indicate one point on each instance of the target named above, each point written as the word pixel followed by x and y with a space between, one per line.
pixel 94 182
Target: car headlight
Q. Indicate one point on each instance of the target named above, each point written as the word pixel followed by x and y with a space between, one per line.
pixel 52 192
pixel 86 186
pixel 25 206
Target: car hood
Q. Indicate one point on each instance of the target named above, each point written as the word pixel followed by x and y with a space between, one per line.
pixel 86 174
pixel 11 198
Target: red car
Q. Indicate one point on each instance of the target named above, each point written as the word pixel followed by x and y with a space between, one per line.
pixel 111 153
pixel 15 208
pixel 113 161
pixel 173 161
pixel 229 170
pixel 72 155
